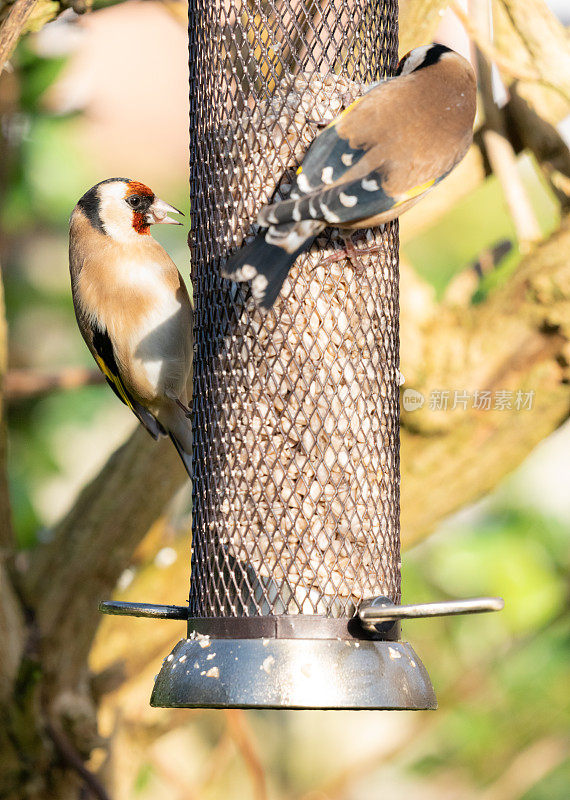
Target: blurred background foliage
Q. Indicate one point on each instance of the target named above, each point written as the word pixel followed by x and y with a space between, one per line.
pixel 502 680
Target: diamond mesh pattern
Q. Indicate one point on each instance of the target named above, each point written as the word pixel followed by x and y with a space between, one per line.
pixel 295 412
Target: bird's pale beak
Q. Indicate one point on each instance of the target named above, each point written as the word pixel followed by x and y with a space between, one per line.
pixel 158 213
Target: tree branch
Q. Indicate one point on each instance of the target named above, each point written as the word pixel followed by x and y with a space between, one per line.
pixel 12 27
pixel 518 339
pixel 12 631
pixel 7 540
pixel 489 50
pixel 92 546
pixel 527 33
pixel 12 635
pixel 418 22
pixel 528 130
pixel 499 149
pixel 544 39
pixel 23 384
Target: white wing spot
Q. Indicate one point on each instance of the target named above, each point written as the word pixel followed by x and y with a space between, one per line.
pixel 370 185
pixel 303 183
pixel 246 273
pixel 327 175
pixel 329 215
pixel 296 214
pixel 346 159
pixel 348 200
pixel 259 284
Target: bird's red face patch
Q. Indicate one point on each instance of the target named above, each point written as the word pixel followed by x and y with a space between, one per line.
pixel 134 187
pixel 140 224
pixel 140 198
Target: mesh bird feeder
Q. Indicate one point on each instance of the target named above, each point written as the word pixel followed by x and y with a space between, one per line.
pixel 295 585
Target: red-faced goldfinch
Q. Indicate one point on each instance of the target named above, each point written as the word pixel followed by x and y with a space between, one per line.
pixel 372 163
pixel 132 306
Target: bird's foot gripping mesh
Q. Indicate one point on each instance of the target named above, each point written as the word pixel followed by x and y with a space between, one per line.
pixel 295 411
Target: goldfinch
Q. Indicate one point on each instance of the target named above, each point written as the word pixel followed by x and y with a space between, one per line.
pixel 372 163
pixel 132 306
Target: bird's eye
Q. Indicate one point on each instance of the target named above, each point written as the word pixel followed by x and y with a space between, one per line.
pixel 134 201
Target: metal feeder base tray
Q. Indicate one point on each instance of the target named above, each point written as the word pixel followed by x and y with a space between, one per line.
pixel 293 673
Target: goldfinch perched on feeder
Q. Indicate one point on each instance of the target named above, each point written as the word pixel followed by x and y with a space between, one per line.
pixel 132 306
pixel 372 163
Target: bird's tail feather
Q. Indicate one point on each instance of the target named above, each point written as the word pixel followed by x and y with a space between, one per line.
pixel 185 457
pixel 267 260
pixel 179 429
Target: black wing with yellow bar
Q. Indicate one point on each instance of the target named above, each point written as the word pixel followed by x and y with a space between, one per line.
pixel 105 358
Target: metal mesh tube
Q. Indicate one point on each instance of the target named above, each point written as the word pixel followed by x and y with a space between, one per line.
pixel 295 412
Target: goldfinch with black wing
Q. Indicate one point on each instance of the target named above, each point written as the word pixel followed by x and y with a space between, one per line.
pixel 132 306
pixel 372 163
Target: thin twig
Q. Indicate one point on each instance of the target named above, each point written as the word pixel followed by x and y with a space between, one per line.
pixel 72 758
pixel 490 51
pixel 239 730
pixel 527 769
pixel 23 384
pixel 218 759
pixel 504 164
pixel 499 150
pixel 338 786
pixel 175 777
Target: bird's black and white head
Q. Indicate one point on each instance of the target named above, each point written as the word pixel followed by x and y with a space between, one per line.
pixel 125 209
pixel 422 57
